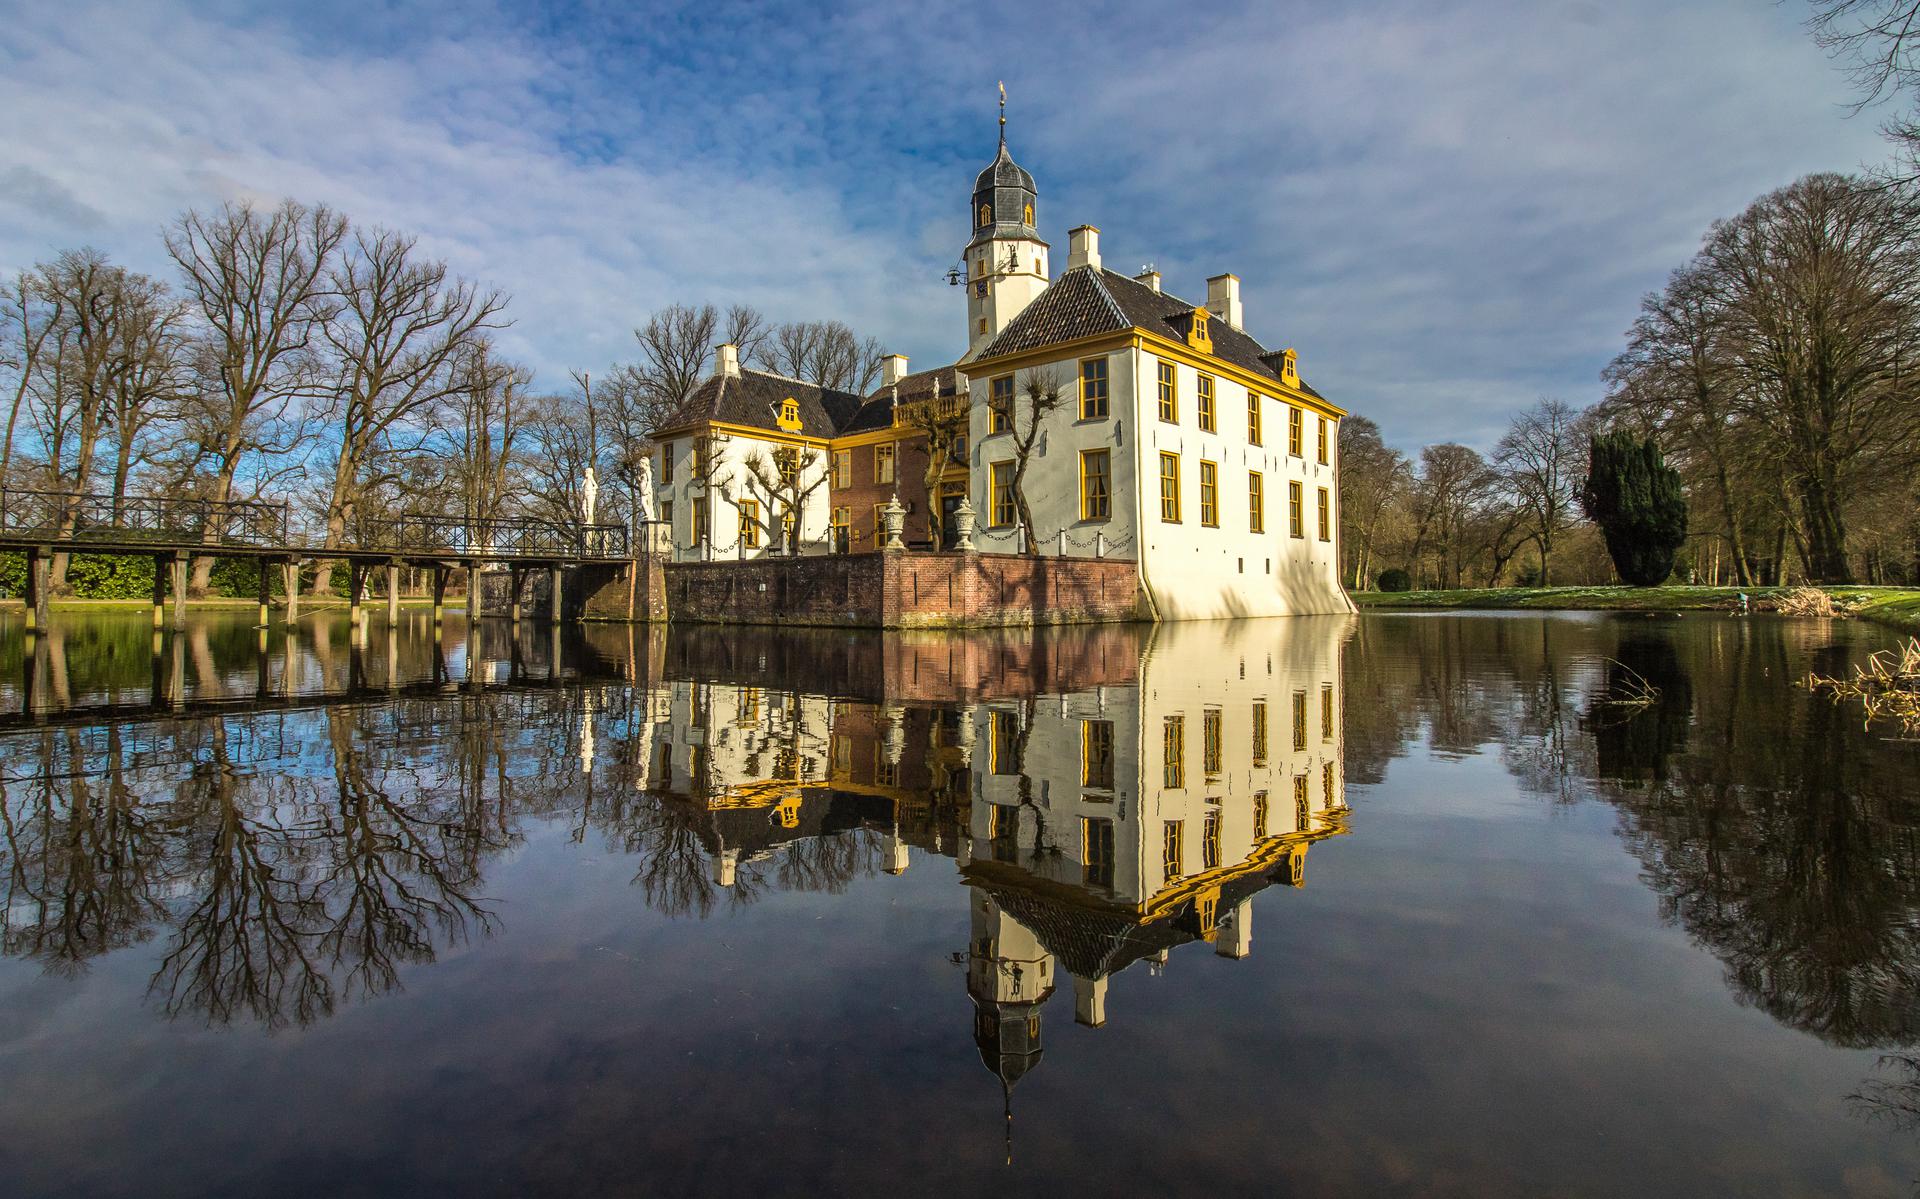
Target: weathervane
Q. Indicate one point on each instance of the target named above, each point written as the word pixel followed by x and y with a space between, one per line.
pixel 1003 112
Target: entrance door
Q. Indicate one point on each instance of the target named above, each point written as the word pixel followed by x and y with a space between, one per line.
pixel 949 504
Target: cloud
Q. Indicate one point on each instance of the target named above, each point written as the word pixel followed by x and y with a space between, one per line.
pixel 1447 208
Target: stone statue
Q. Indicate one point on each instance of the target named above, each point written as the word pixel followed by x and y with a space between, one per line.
pixel 646 488
pixel 589 496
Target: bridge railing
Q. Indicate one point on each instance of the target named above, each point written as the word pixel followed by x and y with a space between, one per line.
pixel 163 520
pixel 514 537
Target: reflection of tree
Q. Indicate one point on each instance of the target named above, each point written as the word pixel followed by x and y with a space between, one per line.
pixel 1632 741
pixel 1893 1098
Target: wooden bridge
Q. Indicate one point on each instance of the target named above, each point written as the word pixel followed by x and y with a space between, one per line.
pixel 174 531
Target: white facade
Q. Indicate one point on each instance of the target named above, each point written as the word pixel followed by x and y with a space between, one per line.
pixel 1189 569
pixel 726 480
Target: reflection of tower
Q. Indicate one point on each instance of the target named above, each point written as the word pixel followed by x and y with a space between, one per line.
pixel 1009 976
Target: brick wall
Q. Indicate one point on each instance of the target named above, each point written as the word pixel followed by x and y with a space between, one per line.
pixel 633 590
pixel 904 590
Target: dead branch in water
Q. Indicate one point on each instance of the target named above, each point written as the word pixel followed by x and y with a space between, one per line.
pixel 1888 686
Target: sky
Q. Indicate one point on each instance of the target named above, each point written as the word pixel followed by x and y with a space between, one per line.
pixel 1450 209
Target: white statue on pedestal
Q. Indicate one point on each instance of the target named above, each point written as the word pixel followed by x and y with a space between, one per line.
pixel 646 487
pixel 589 496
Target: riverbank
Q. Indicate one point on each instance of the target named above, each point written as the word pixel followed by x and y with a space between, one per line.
pixel 1898 607
pixel 228 603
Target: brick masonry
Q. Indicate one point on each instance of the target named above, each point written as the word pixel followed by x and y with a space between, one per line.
pixel 904 590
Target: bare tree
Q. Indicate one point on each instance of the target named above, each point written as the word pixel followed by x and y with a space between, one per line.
pixel 941 421
pixel 826 353
pixel 1373 482
pixel 404 327
pixel 261 284
pixel 1878 40
pixel 1043 395
pixel 1451 483
pixel 31 316
pixel 1540 460
pixel 492 411
pixel 781 480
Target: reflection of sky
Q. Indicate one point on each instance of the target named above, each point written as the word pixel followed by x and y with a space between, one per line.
pixel 1473 992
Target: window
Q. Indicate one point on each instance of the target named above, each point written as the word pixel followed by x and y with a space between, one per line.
pixel 1169 400
pixel 1096 753
pixel 986 214
pixel 1296 514
pixel 1301 809
pixel 1096 852
pixel 1205 404
pixel 1096 484
pixel 842 520
pixel 843 468
pixel 1323 441
pixel 699 520
pixel 1326 711
pixel 666 514
pixel 1326 785
pixel 1170 850
pixel 1299 720
pixel 1326 515
pixel 1210 741
pixel 1000 405
pixel 1210 841
pixel 1209 495
pixel 666 463
pixel 1003 510
pixel 883 463
pixel 1173 753
pixel 1256 503
pixel 1293 432
pixel 1259 732
pixel 1003 746
pixel 880 525
pixel 1253 418
pixel 1170 487
pixel 1093 388
pixel 1259 814
pixel 789 414
pixel 749 523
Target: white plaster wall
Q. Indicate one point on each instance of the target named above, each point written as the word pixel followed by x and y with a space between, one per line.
pixel 1194 572
pixel 1007 293
pixel 731 479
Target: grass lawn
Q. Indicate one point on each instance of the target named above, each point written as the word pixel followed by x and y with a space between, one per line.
pixel 1896 606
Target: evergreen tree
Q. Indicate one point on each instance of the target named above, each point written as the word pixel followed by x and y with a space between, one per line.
pixel 1636 499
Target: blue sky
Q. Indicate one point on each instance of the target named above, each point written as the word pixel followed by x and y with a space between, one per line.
pixel 1449 209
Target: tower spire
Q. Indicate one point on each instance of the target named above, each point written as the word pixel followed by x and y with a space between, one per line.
pixel 1003 113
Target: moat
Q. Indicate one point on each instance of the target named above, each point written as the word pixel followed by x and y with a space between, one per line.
pixel 1437 904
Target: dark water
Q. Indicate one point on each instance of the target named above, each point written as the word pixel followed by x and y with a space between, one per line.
pixel 1401 904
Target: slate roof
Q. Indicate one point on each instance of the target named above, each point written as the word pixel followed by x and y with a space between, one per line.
pixel 754 400
pixel 1003 171
pixel 1087 301
pixel 877 411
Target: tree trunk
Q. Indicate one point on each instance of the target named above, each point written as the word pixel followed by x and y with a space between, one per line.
pixel 1826 548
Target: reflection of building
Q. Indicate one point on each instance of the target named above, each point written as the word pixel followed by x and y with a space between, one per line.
pixel 1096 825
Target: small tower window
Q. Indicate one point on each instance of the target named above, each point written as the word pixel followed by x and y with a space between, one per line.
pixel 1029 216
pixel 986 214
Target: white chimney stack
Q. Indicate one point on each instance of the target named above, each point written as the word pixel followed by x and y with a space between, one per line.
pixel 1223 299
pixel 893 368
pixel 1150 277
pixel 726 361
pixel 1083 247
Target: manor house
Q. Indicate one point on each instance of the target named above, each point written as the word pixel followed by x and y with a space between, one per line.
pixel 1094 414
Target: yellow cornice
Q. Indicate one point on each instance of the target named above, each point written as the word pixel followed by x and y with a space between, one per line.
pixel 853 441
pixel 1162 347
pixel 1166 347
pixel 759 434
pixel 1078 347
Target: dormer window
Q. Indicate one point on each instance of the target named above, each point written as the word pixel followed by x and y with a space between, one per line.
pixel 986 214
pixel 1197 335
pixel 790 415
pixel 1029 216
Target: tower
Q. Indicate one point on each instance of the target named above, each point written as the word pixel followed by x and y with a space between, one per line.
pixel 1006 260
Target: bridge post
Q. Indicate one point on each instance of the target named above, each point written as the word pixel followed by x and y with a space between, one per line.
pixel 177 572
pixel 266 599
pixel 553 594
pixel 29 666
pixel 439 596
pixel 473 591
pixel 290 580
pixel 159 594
pixel 38 611
pixel 356 594
pixel 517 579
pixel 393 594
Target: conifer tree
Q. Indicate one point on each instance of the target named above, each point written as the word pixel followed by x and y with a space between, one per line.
pixel 1636 499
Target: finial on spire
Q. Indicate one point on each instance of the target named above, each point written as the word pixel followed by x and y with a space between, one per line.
pixel 1003 112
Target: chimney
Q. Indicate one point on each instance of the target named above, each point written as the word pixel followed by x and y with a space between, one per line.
pixel 1083 247
pixel 1089 1001
pixel 893 368
pixel 1223 299
pixel 1148 276
pixel 726 361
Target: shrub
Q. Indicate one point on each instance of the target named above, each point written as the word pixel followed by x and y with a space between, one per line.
pixel 1393 579
pixel 1636 499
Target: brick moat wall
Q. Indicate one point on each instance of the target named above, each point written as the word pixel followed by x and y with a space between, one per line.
pixel 904 590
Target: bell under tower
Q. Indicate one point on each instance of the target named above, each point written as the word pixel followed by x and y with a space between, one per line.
pixel 1006 261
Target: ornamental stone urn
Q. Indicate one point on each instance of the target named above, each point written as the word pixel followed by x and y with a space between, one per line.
pixel 893 518
pixel 963 526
